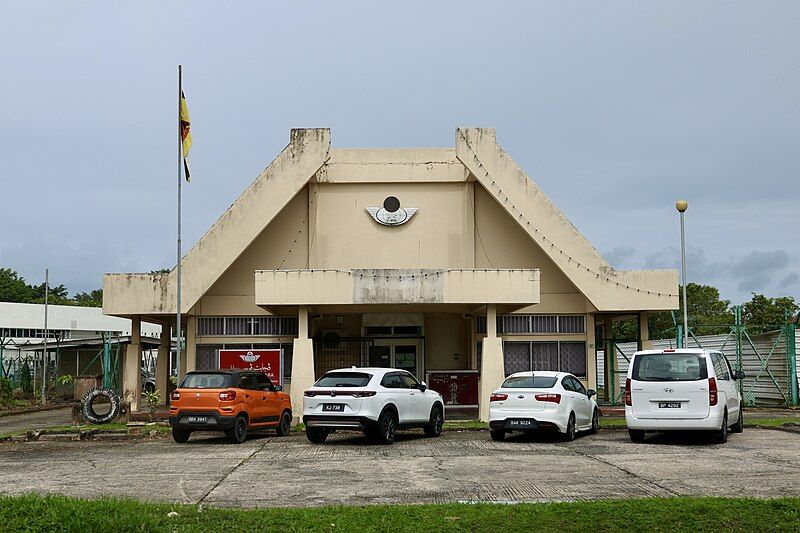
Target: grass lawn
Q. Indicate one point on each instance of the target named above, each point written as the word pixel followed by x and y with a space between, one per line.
pixel 58 513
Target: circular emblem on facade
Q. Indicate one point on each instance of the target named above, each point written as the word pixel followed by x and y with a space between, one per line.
pixel 391 214
pixel 391 204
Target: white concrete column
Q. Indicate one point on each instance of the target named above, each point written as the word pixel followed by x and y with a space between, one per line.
pixel 591 353
pixel 162 363
pixel 644 332
pixel 492 372
pixel 191 344
pixel 302 364
pixel 131 372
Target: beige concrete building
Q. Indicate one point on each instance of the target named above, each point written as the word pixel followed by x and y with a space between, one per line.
pixel 438 260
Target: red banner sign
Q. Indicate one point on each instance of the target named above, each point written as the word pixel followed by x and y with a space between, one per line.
pixel 456 387
pixel 268 361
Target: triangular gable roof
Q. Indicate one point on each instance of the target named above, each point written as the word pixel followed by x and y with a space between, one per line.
pixel 231 234
pixel 607 289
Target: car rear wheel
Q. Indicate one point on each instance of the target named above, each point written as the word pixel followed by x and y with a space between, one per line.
pixel 387 424
pixel 595 423
pixel 316 435
pixel 636 435
pixel 722 435
pixel 497 434
pixel 569 434
pixel 239 432
pixel 434 427
pixel 285 425
pixel 738 427
pixel 180 435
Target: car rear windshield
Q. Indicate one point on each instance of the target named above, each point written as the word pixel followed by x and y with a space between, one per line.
pixel 343 379
pixel 669 367
pixel 530 382
pixel 206 381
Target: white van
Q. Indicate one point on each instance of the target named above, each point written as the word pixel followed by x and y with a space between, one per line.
pixel 682 389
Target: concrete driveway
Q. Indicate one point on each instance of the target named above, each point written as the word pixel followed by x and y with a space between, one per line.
pixel 458 466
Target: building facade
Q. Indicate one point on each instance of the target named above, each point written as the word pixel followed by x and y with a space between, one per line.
pixel 449 262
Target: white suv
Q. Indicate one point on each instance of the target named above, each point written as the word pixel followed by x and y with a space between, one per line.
pixel 376 401
pixel 682 389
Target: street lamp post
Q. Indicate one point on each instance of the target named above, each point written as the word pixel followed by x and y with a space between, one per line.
pixel 682 206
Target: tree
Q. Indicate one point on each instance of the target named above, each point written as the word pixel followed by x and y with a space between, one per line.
pixel 91 299
pixel 13 287
pixel 25 380
pixel 708 313
pixel 762 313
pixel 56 295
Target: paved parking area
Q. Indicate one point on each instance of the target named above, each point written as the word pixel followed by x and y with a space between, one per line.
pixel 458 466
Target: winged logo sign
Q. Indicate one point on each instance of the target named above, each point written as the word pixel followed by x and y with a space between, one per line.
pixel 391 214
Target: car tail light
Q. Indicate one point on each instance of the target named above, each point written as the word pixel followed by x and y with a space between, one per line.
pixel 555 398
pixel 227 395
pixel 498 397
pixel 363 393
pixel 628 400
pixel 175 396
pixel 712 391
pixel 309 393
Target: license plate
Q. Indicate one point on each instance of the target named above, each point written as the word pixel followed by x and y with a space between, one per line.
pixel 522 424
pixel 339 407
pixel 669 405
pixel 197 419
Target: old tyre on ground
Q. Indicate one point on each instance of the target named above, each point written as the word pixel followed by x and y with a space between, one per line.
pixel 434 427
pixel 285 424
pixel 636 435
pixel 239 432
pixel 316 435
pixel 180 435
pixel 738 427
pixel 497 434
pixel 97 394
pixel 387 424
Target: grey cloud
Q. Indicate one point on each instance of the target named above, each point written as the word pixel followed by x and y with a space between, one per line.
pixel 756 270
pixel 789 281
pixel 699 266
pixel 619 255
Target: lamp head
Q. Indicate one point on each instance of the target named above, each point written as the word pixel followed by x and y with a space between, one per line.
pixel 681 205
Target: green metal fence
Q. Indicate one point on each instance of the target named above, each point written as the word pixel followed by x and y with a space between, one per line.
pixel 766 353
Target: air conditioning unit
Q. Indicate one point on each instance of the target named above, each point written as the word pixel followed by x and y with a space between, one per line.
pixel 330 341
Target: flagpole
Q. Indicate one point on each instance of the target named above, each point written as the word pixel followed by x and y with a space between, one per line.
pixel 180 179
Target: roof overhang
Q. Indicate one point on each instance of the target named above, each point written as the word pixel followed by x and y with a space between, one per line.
pixel 424 288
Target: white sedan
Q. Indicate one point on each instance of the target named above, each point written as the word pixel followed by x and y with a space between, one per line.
pixel 542 401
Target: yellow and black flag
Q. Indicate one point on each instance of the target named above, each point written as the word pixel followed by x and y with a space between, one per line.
pixel 186 134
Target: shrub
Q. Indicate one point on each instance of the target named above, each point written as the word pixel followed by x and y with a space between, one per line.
pixel 25 381
pixel 6 391
pixel 18 394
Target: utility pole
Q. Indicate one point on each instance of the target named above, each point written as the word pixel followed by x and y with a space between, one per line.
pixel 44 352
pixel 682 206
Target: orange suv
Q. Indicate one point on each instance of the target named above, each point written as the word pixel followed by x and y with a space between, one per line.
pixel 232 401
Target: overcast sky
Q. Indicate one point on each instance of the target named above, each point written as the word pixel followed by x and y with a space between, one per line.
pixel 615 109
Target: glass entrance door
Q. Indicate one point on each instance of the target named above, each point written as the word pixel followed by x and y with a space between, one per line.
pixel 389 353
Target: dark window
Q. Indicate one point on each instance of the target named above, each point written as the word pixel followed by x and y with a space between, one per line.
pixel 378 330
pixel 409 381
pixel 572 324
pixel 720 367
pixel 343 379
pixel 514 324
pixel 573 357
pixel 206 380
pixel 392 381
pixel 249 382
pixel 263 382
pixel 669 367
pixel 545 356
pixel 529 382
pixel 578 386
pixel 544 324
pixel 517 357
pixel 568 384
pixel 410 331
